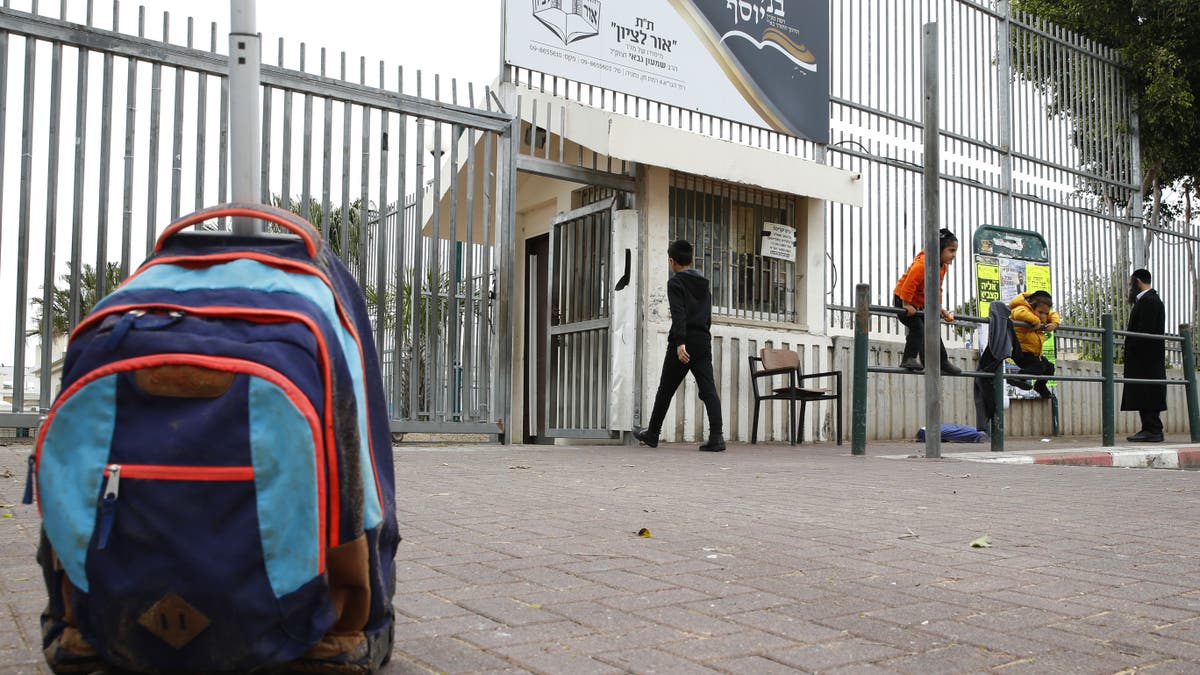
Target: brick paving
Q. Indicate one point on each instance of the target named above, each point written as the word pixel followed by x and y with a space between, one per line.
pixel 764 559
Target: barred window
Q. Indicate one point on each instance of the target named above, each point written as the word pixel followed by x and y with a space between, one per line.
pixel 724 222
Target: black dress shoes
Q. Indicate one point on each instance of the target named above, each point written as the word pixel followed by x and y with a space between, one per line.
pixel 644 435
pixel 1145 437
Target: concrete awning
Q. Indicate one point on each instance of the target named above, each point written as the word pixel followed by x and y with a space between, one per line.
pixel 608 135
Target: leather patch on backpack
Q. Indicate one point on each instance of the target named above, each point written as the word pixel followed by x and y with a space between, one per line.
pixel 183 381
pixel 174 621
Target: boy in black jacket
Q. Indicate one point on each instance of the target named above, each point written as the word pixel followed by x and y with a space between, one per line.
pixel 689 347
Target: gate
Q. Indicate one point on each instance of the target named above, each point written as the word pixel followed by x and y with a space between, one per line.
pixel 414 194
pixel 578 392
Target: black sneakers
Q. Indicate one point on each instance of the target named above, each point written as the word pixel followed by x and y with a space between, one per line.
pixel 950 369
pixel 644 435
pixel 716 443
pixel 911 363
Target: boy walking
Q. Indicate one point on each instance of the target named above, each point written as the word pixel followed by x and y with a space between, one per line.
pixel 689 347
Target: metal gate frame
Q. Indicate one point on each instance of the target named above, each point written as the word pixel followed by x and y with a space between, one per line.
pixel 590 359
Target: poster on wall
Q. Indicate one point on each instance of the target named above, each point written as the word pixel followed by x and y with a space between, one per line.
pixel 759 62
pixel 778 241
pixel 999 275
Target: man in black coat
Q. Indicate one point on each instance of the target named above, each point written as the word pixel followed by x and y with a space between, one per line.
pixel 1145 358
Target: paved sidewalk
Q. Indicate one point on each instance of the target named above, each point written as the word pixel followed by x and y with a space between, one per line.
pixel 763 559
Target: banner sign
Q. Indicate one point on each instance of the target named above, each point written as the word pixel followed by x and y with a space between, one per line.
pixel 779 241
pixel 759 62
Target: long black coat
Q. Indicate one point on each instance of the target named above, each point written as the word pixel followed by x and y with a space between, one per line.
pixel 1146 357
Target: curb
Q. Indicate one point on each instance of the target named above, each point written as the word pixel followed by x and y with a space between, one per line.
pixel 1136 458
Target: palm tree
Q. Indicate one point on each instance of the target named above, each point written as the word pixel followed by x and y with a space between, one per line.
pixel 61 321
pixel 333 232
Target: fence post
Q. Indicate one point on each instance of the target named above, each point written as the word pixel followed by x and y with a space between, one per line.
pixel 858 411
pixel 1108 388
pixel 932 205
pixel 1189 373
pixel 998 416
pixel 245 125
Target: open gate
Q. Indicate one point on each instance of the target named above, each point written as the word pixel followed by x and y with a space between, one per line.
pixel 580 322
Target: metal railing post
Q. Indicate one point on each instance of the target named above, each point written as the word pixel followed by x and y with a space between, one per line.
pixel 932 203
pixel 1108 388
pixel 998 416
pixel 1189 374
pixel 245 125
pixel 858 410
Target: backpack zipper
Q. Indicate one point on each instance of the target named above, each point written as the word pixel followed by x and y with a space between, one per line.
pixel 112 485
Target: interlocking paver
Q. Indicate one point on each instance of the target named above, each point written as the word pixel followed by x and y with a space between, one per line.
pixel 953 658
pixel 834 654
pixel 653 661
pixel 765 559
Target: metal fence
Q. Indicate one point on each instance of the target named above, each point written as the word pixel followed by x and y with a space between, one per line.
pixel 342 143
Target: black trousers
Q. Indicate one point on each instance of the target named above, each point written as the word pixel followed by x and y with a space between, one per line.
pixel 1033 364
pixel 673 372
pixel 914 341
pixel 1151 421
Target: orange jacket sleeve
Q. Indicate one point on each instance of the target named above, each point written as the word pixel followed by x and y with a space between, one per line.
pixel 911 287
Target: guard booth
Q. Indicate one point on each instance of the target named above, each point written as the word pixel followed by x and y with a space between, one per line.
pixel 1009 261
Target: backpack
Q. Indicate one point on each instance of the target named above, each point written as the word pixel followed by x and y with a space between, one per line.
pixel 215 478
pixel 957 433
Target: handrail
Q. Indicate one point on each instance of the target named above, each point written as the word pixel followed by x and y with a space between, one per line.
pixel 1108 379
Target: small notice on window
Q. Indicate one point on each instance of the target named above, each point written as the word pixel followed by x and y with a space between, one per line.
pixel 779 241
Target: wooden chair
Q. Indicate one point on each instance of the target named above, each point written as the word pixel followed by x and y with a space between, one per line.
pixel 785 362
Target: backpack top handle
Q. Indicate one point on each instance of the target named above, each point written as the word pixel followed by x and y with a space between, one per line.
pixel 271 214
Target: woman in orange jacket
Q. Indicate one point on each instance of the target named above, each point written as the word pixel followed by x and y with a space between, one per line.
pixel 909 295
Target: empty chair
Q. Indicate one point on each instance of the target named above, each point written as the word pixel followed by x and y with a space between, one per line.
pixel 785 364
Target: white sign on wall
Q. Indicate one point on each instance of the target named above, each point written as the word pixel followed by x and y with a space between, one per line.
pixel 779 241
pixel 758 62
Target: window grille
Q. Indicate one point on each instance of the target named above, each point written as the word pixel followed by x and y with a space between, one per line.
pixel 724 222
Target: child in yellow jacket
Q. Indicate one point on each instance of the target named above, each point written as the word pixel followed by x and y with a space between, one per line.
pixel 909 295
pixel 1037 309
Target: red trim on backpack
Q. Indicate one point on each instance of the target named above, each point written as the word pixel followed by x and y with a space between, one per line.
pixel 285 264
pixel 223 363
pixel 310 244
pixel 164 472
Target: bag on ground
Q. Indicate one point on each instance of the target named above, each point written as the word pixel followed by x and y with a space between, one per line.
pixel 215 478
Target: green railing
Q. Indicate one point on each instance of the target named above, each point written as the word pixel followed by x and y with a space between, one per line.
pixel 1107 380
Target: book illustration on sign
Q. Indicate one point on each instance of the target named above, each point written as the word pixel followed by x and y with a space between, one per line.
pixel 777 40
pixel 570 20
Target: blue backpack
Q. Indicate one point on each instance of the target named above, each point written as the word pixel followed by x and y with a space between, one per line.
pixel 215 478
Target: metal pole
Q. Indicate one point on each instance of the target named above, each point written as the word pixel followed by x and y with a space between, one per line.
pixel 862 328
pixel 1005 112
pixel 998 416
pixel 1135 202
pixel 933 368
pixel 1108 388
pixel 245 59
pixel 1189 373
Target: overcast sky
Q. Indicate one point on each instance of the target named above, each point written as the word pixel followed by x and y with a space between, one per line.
pixel 455 38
